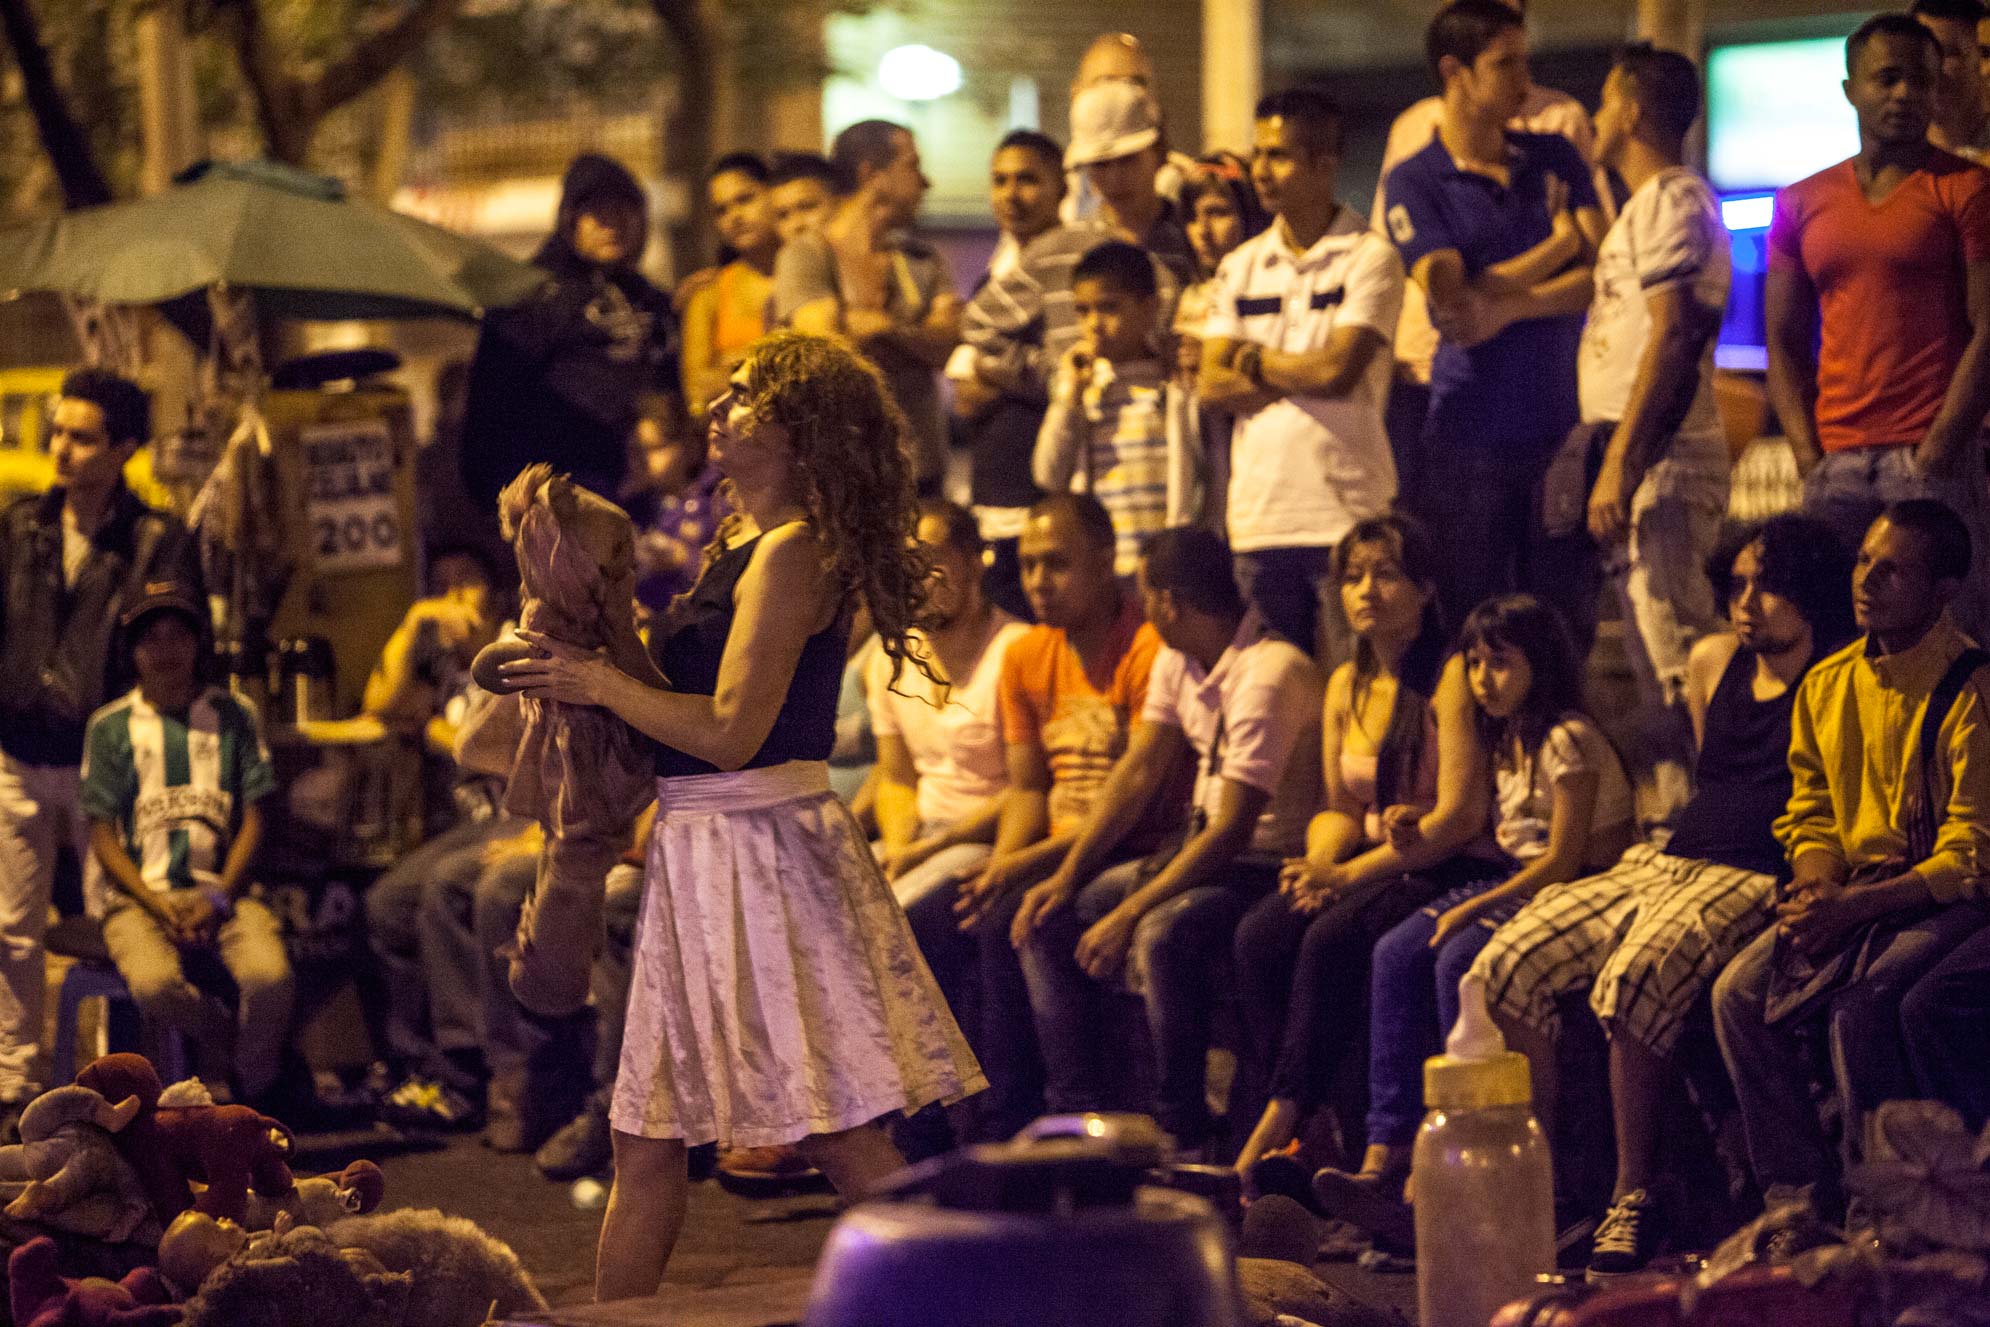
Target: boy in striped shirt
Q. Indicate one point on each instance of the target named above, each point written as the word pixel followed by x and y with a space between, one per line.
pixel 1118 427
pixel 172 773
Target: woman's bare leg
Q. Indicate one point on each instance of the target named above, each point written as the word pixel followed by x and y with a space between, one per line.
pixel 645 1213
pixel 856 1160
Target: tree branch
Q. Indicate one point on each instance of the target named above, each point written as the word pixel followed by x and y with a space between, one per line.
pixel 68 147
pixel 688 140
pixel 373 57
pixel 275 93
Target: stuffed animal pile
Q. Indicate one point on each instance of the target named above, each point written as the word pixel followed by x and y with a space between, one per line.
pixel 203 1196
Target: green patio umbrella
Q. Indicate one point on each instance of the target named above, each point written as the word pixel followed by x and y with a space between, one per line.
pixel 296 240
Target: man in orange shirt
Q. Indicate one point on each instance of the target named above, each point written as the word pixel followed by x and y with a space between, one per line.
pixel 1069 692
pixel 1882 262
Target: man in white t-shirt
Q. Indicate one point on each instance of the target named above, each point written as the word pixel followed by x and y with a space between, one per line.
pixel 1296 347
pixel 942 769
pixel 1645 370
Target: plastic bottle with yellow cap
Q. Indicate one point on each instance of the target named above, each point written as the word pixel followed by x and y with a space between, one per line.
pixel 1481 1176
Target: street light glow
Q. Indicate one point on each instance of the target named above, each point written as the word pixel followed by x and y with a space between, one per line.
pixel 918 73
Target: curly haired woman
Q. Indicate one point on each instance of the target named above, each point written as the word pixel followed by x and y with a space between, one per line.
pixel 778 996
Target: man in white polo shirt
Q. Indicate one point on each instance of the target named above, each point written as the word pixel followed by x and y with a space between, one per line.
pixel 1297 348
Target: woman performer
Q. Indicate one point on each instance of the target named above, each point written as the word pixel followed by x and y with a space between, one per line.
pixel 778 995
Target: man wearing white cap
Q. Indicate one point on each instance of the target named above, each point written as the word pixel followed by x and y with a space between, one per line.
pixel 1117 57
pixel 1020 324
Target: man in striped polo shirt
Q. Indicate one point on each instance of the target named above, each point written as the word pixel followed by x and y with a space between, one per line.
pixel 172 773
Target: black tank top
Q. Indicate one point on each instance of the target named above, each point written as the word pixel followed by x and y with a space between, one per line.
pixel 689 655
pixel 1743 780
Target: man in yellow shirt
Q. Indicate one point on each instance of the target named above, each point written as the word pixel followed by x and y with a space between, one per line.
pixel 1888 836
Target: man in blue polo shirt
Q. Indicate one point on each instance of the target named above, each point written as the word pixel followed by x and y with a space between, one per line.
pixel 1499 228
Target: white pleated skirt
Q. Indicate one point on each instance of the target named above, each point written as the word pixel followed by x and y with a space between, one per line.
pixel 777 990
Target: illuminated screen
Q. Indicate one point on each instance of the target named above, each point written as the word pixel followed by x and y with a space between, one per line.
pixel 1777 112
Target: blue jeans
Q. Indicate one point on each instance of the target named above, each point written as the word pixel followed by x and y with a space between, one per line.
pixel 1862 1023
pixel 1413 1001
pixel 1181 945
pixel 1946 1019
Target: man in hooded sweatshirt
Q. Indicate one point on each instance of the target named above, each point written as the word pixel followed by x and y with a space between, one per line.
pixel 568 376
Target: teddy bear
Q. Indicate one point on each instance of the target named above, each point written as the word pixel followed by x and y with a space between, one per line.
pixel 231 1149
pixel 38 1295
pixel 67 1172
pixel 582 773
pixel 460 1274
pixel 299 1278
pixel 319 1200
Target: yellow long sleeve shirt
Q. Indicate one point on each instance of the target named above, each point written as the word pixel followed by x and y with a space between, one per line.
pixel 1855 762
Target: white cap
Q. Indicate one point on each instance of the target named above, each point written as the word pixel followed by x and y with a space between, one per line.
pixel 1113 119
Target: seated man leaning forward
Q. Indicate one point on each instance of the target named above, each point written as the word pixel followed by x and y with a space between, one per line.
pixel 1887 831
pixel 1247 703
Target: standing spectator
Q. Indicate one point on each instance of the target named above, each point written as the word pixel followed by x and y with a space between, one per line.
pixel 1296 348
pixel 172 774
pixel 1117 57
pixel 1021 323
pixel 997 427
pixel 567 376
pixel 1646 938
pixel 1962 123
pixel 1878 308
pixel 1563 809
pixel 1407 795
pixel 71 562
pixel 867 277
pixel 726 316
pixel 1247 703
pixel 1071 690
pixel 941 770
pixel 1220 209
pixel 1647 368
pixel 1497 227
pixel 1119 426
pixel 1542 111
pixel 1887 829
pixel 801 190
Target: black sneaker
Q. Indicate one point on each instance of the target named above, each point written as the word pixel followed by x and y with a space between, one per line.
pixel 582 1147
pixel 424 1103
pixel 1631 1234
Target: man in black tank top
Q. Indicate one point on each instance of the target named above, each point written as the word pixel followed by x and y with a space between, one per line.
pixel 1647 937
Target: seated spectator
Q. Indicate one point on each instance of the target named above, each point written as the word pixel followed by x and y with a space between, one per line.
pixel 1070 691
pixel 866 276
pixel 801 190
pixel 1646 938
pixel 724 317
pixel 426 661
pixel 1221 211
pixel 676 513
pixel 1296 351
pixel 998 428
pixel 1886 831
pixel 172 774
pixel 1119 427
pixel 1247 703
pixel 1401 744
pixel 1563 809
pixel 941 775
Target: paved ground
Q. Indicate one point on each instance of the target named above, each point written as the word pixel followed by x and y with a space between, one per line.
pixel 740 1263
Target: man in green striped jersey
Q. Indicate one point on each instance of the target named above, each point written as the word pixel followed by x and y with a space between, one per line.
pixel 172 773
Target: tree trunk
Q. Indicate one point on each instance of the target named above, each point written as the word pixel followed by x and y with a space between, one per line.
pixel 68 147
pixel 688 137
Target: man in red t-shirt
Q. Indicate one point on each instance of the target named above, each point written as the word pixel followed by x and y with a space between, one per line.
pixel 1882 262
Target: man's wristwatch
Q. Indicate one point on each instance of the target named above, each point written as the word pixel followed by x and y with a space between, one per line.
pixel 1250 363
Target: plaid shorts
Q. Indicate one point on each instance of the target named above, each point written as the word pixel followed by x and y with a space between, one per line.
pixel 1645 937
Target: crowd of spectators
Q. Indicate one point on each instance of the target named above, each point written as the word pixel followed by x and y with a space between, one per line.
pixel 1258 643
